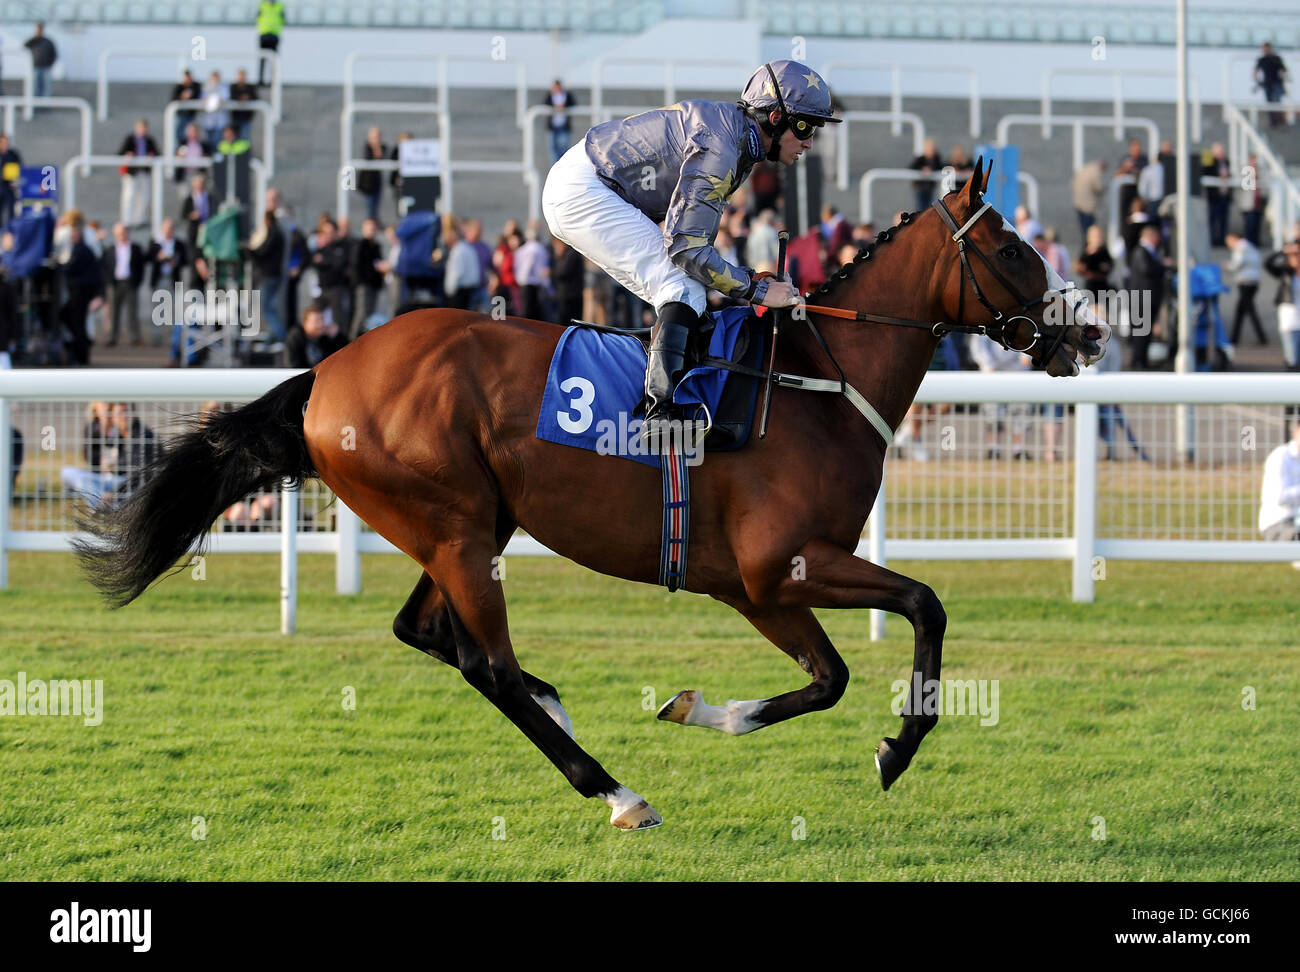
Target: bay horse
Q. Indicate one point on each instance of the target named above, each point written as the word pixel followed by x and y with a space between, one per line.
pixel 425 428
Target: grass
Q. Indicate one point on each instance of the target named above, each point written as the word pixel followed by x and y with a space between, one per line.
pixel 1128 709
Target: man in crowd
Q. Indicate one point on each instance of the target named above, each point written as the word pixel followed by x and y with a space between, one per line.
pixel 44 54
pixel 124 272
pixel 559 124
pixel 135 178
pixel 1086 188
pixel 1270 75
pixel 10 168
pixel 314 340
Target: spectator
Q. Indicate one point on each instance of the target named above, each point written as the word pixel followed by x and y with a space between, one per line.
pixel 806 260
pixel 567 277
pixel 1243 268
pixel 864 233
pixel 1218 192
pixel 196 209
pixel 991 358
pixel 369 181
pixel 1285 265
pixel 83 281
pixel 1146 276
pixel 1131 164
pixel 124 272
pixel 927 163
pixel 166 258
pixel 135 179
pixel 463 276
pixel 232 143
pixel 333 272
pixel 44 54
pixel 503 262
pixel 395 180
pixel 314 340
pixel 1055 252
pixel 393 285
pixel 215 116
pixel 369 269
pixel 297 253
pixel 1138 220
pixel 117 448
pixel 835 229
pixel 559 124
pixel 187 90
pixel 1252 197
pixel 1151 184
pixel 533 271
pixel 1095 264
pixel 1271 75
pixel 1086 188
pixel 736 221
pixel 10 169
pixel 1026 225
pixel 193 147
pixel 962 166
pixel 474 237
pixel 241 90
pixel 266 250
pixel 270 22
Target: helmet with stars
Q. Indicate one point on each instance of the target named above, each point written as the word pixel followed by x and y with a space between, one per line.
pixel 799 93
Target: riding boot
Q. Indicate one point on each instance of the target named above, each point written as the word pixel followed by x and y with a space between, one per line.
pixel 666 364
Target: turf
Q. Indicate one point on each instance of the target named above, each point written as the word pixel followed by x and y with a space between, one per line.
pixel 1129 709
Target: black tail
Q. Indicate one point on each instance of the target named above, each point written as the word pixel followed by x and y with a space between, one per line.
pixel 181 494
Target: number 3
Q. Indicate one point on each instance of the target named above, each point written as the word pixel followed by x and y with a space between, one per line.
pixel 581 404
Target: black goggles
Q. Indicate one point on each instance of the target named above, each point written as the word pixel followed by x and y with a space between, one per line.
pixel 804 127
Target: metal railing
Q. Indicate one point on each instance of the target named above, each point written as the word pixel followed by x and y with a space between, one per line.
pixel 669 64
pixel 183 62
pixel 1077 124
pixel 1119 120
pixel 962 503
pixel 947 179
pixel 79 105
pixel 442 77
pixel 1284 195
pixel 896 87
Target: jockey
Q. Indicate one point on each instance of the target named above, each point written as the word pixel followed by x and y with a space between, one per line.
pixel 679 165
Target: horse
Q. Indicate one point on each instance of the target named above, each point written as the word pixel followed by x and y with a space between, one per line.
pixel 425 428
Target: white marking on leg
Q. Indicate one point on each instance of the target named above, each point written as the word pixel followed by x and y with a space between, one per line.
pixel 735 718
pixel 556 712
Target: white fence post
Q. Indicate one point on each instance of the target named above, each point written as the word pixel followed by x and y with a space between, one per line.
pixel 347 562
pixel 876 547
pixel 288 559
pixel 1085 497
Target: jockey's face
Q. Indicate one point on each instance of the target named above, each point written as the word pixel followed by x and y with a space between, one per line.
pixel 792 146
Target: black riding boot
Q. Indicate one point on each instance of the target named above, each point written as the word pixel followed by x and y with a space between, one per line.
pixel 667 362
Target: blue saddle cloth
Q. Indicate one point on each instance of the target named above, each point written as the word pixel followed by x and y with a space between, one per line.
pixel 596 380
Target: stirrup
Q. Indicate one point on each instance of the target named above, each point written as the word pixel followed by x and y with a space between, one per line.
pixel 671 428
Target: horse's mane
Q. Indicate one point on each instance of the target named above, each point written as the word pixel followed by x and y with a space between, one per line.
pixel 864 253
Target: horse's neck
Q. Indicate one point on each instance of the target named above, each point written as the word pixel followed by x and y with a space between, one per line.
pixel 884 362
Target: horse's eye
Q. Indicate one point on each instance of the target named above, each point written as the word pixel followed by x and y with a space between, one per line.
pixel 1009 252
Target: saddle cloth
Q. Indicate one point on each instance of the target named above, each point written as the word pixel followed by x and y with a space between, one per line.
pixel 596 380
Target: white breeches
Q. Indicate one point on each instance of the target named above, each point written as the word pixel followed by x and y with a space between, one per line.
pixel 613 234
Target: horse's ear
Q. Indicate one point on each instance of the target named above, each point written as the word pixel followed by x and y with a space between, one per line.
pixel 988 173
pixel 976 184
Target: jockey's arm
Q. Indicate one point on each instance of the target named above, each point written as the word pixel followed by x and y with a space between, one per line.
pixel 694 215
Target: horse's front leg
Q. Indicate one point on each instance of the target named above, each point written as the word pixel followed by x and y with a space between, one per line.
pixel 836 578
pixel 796 632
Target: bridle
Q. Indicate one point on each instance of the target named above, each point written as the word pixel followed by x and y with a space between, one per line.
pixel 1001 329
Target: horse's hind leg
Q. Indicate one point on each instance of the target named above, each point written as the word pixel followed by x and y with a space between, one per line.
pixel 425 623
pixel 476 610
pixel 796 632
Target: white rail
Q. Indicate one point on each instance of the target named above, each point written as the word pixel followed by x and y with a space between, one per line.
pixel 1117 76
pixel 842 137
pixel 669 65
pixel 79 105
pixel 443 79
pixel 29 82
pixel 347 542
pixel 896 87
pixel 1078 123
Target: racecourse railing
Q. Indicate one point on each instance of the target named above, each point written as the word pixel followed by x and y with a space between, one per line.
pixel 987 467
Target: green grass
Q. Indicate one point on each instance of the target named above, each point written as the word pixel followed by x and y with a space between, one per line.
pixel 1128 709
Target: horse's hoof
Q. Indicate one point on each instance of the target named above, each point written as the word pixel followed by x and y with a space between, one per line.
pixel 642 816
pixel 890 763
pixel 678 708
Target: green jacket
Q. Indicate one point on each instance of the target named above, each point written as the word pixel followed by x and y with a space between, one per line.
pixel 270 17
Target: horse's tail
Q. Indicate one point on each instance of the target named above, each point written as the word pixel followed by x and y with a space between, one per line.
pixel 181 493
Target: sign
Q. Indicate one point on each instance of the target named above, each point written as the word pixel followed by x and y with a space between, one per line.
pixel 419 157
pixel 1004 184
